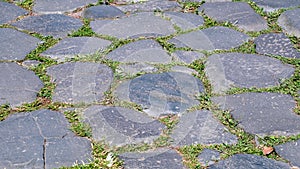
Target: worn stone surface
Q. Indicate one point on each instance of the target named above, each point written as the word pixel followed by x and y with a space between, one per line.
pixel 148 25
pixel 15 45
pixel 272 5
pixel 102 12
pixel 237 13
pixel 290 151
pixel 290 22
pixel 245 71
pixel 262 113
pixel 211 39
pixel 10 12
pixel 276 44
pixel 120 126
pixel 79 82
pixel 55 25
pixel 29 142
pixel 185 21
pixel 18 85
pixel 208 157
pixel 187 56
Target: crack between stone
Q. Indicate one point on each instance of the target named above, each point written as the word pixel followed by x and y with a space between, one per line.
pixel 44 153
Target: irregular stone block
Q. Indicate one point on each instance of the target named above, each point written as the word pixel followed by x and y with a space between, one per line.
pixel 290 22
pixel 290 151
pixel 272 5
pixel 185 21
pixel 187 56
pixel 102 12
pixel 10 12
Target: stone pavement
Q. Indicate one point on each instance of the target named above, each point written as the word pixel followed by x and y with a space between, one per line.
pixel 137 65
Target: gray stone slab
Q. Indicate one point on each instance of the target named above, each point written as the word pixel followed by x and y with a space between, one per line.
pixel 134 26
pixel 187 56
pixel 164 93
pixel 276 44
pixel 134 68
pixel 200 127
pixel 272 5
pixel 55 25
pixel 262 113
pixel 238 13
pixel 80 82
pixel 18 85
pixel 185 21
pixel 15 45
pixel 211 39
pixel 140 51
pixel 290 22
pixel 290 151
pixel 245 71
pixel 119 126
pixel 71 47
pixel 208 157
pixel 249 161
pixel 10 12
pixel 102 12
pixel 29 142
pixel 58 6
pixel 158 159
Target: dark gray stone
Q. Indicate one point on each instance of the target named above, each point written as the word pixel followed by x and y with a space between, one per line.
pixel 15 45
pixel 250 162
pixel 200 127
pixel 262 113
pixel 245 71
pixel 79 82
pixel 164 93
pixel 140 51
pixel 29 142
pixel 10 12
pixel 187 56
pixel 211 39
pixel 120 126
pixel 272 5
pixel 102 12
pixel 290 151
pixel 276 44
pixel 290 22
pixel 148 25
pixel 55 25
pixel 209 157
pixel 185 21
pixel 18 85
pixel 158 159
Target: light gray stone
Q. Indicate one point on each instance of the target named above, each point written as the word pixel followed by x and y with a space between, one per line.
pixel 290 22
pixel 187 56
pixel 30 63
pixel 10 12
pixel 272 5
pixel 135 68
pixel 185 21
pixel 102 12
pixel 208 157
pixel 290 151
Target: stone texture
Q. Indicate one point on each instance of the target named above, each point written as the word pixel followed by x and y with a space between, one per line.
pixel 10 12
pixel 272 5
pixel 209 157
pixel 140 51
pixel 245 71
pixel 211 39
pixel 70 47
pixel 249 161
pixel 119 126
pixel 79 82
pixel 237 13
pixel 135 68
pixel 187 56
pixel 200 127
pixel 102 12
pixel 29 142
pixel 290 151
pixel 55 25
pixel 164 93
pixel 262 113
pixel 148 25
pixel 276 44
pixel 18 85
pixel 15 45
pixel 185 21
pixel 290 22
pixel 158 159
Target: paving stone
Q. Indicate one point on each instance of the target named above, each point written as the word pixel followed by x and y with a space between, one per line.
pixel 164 93
pixel 15 45
pixel 120 126
pixel 10 12
pixel 290 22
pixel 211 39
pixel 185 21
pixel 249 161
pixel 158 159
pixel 79 82
pixel 29 142
pixel 187 56
pixel 200 127
pixel 70 47
pixel 290 151
pixel 237 13
pixel 209 157
pixel 58 6
pixel 245 71
pixel 55 25
pixel 140 51
pixel 134 68
pixel 272 5
pixel 262 113
pixel 276 44
pixel 148 25
pixel 102 12
pixel 18 85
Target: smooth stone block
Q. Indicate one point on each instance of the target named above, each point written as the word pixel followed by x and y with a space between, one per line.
pixel 290 22
pixel 10 12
